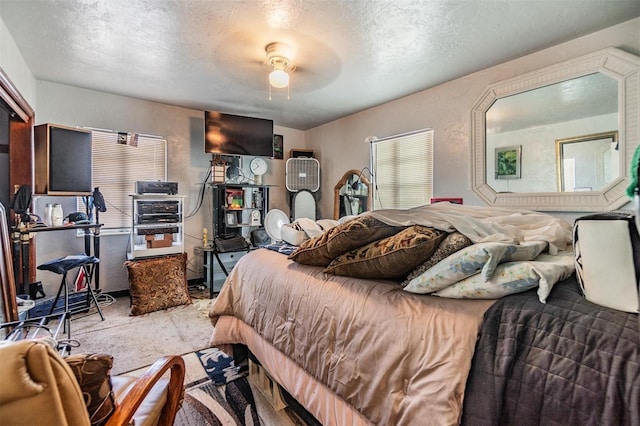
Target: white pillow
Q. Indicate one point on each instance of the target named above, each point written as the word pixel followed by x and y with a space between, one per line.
pixel 303 228
pixel 514 277
pixel 477 258
pixel 292 235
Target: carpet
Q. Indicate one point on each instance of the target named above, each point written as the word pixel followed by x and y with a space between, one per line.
pixel 137 341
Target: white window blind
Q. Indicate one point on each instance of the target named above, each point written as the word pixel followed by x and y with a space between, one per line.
pixel 116 168
pixel 403 170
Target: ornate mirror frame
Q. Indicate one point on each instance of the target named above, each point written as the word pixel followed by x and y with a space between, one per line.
pixel 607 138
pixel 340 184
pixel 623 67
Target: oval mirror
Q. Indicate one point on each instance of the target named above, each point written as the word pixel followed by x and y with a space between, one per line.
pixel 540 138
pixel 351 195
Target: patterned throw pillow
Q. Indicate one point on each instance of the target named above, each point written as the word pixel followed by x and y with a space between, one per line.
pixel 362 230
pixel 480 258
pixel 514 277
pixel 158 283
pixel 93 374
pixel 390 258
pixel 451 244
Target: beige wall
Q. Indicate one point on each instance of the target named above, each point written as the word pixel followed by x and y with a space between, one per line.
pixel 446 109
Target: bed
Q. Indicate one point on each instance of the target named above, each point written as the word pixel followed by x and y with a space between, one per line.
pixel 362 350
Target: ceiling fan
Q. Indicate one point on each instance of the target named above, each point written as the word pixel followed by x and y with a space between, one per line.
pixel 249 58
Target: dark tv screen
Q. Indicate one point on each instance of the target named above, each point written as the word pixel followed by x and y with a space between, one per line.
pixel 69 161
pixel 237 135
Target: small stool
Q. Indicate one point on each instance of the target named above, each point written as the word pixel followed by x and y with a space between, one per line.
pixel 62 266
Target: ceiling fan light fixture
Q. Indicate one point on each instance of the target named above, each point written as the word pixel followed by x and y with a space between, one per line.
pixel 279 78
pixel 278 56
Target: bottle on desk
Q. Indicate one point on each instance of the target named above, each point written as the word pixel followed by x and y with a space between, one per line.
pixel 48 215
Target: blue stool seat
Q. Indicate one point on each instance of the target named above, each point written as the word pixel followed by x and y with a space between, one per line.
pixel 65 264
pixel 62 266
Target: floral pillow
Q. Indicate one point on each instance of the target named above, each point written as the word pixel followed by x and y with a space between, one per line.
pixel 480 258
pixel 158 283
pixel 322 249
pixel 389 258
pixel 514 277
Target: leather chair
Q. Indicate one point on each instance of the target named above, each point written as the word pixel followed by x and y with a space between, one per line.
pixel 37 386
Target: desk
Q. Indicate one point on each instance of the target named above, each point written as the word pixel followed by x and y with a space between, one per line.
pixel 225 261
pixel 21 244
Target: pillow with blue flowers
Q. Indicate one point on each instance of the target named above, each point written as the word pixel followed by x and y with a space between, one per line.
pixel 480 258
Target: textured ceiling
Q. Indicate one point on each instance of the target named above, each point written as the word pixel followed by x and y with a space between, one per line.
pixel 350 55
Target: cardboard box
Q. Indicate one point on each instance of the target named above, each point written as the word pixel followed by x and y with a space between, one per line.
pixel 159 240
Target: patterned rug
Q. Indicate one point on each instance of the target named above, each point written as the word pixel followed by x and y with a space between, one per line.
pixel 217 391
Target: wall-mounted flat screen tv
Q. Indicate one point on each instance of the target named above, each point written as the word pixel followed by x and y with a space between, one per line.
pixel 230 134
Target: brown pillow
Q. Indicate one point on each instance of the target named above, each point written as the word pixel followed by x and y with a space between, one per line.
pixel 321 250
pixel 158 283
pixel 451 244
pixel 93 374
pixel 389 258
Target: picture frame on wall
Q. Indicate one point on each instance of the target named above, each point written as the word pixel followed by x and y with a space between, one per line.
pixel 278 147
pixel 231 219
pixel 507 162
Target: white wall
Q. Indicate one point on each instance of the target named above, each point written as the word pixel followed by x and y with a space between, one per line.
pixel 13 64
pixel 445 108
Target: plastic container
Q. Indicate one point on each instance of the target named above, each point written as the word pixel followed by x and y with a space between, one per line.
pixel 57 215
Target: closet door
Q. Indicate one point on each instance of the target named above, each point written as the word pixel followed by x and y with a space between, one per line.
pixel 20 154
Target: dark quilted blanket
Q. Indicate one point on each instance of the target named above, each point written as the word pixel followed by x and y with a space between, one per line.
pixel 566 362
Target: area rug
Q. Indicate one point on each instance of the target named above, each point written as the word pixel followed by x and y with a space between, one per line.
pixel 217 391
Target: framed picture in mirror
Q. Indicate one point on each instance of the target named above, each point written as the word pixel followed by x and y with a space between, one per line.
pixel 508 162
pixel 587 162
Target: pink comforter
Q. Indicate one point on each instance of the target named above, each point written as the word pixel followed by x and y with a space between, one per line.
pixel 397 358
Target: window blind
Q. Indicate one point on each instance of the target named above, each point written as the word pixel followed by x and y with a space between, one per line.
pixel 403 170
pixel 118 162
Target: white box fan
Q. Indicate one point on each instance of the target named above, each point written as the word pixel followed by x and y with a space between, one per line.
pixel 302 173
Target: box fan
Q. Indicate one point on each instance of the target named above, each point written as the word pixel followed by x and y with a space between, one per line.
pixel 302 178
